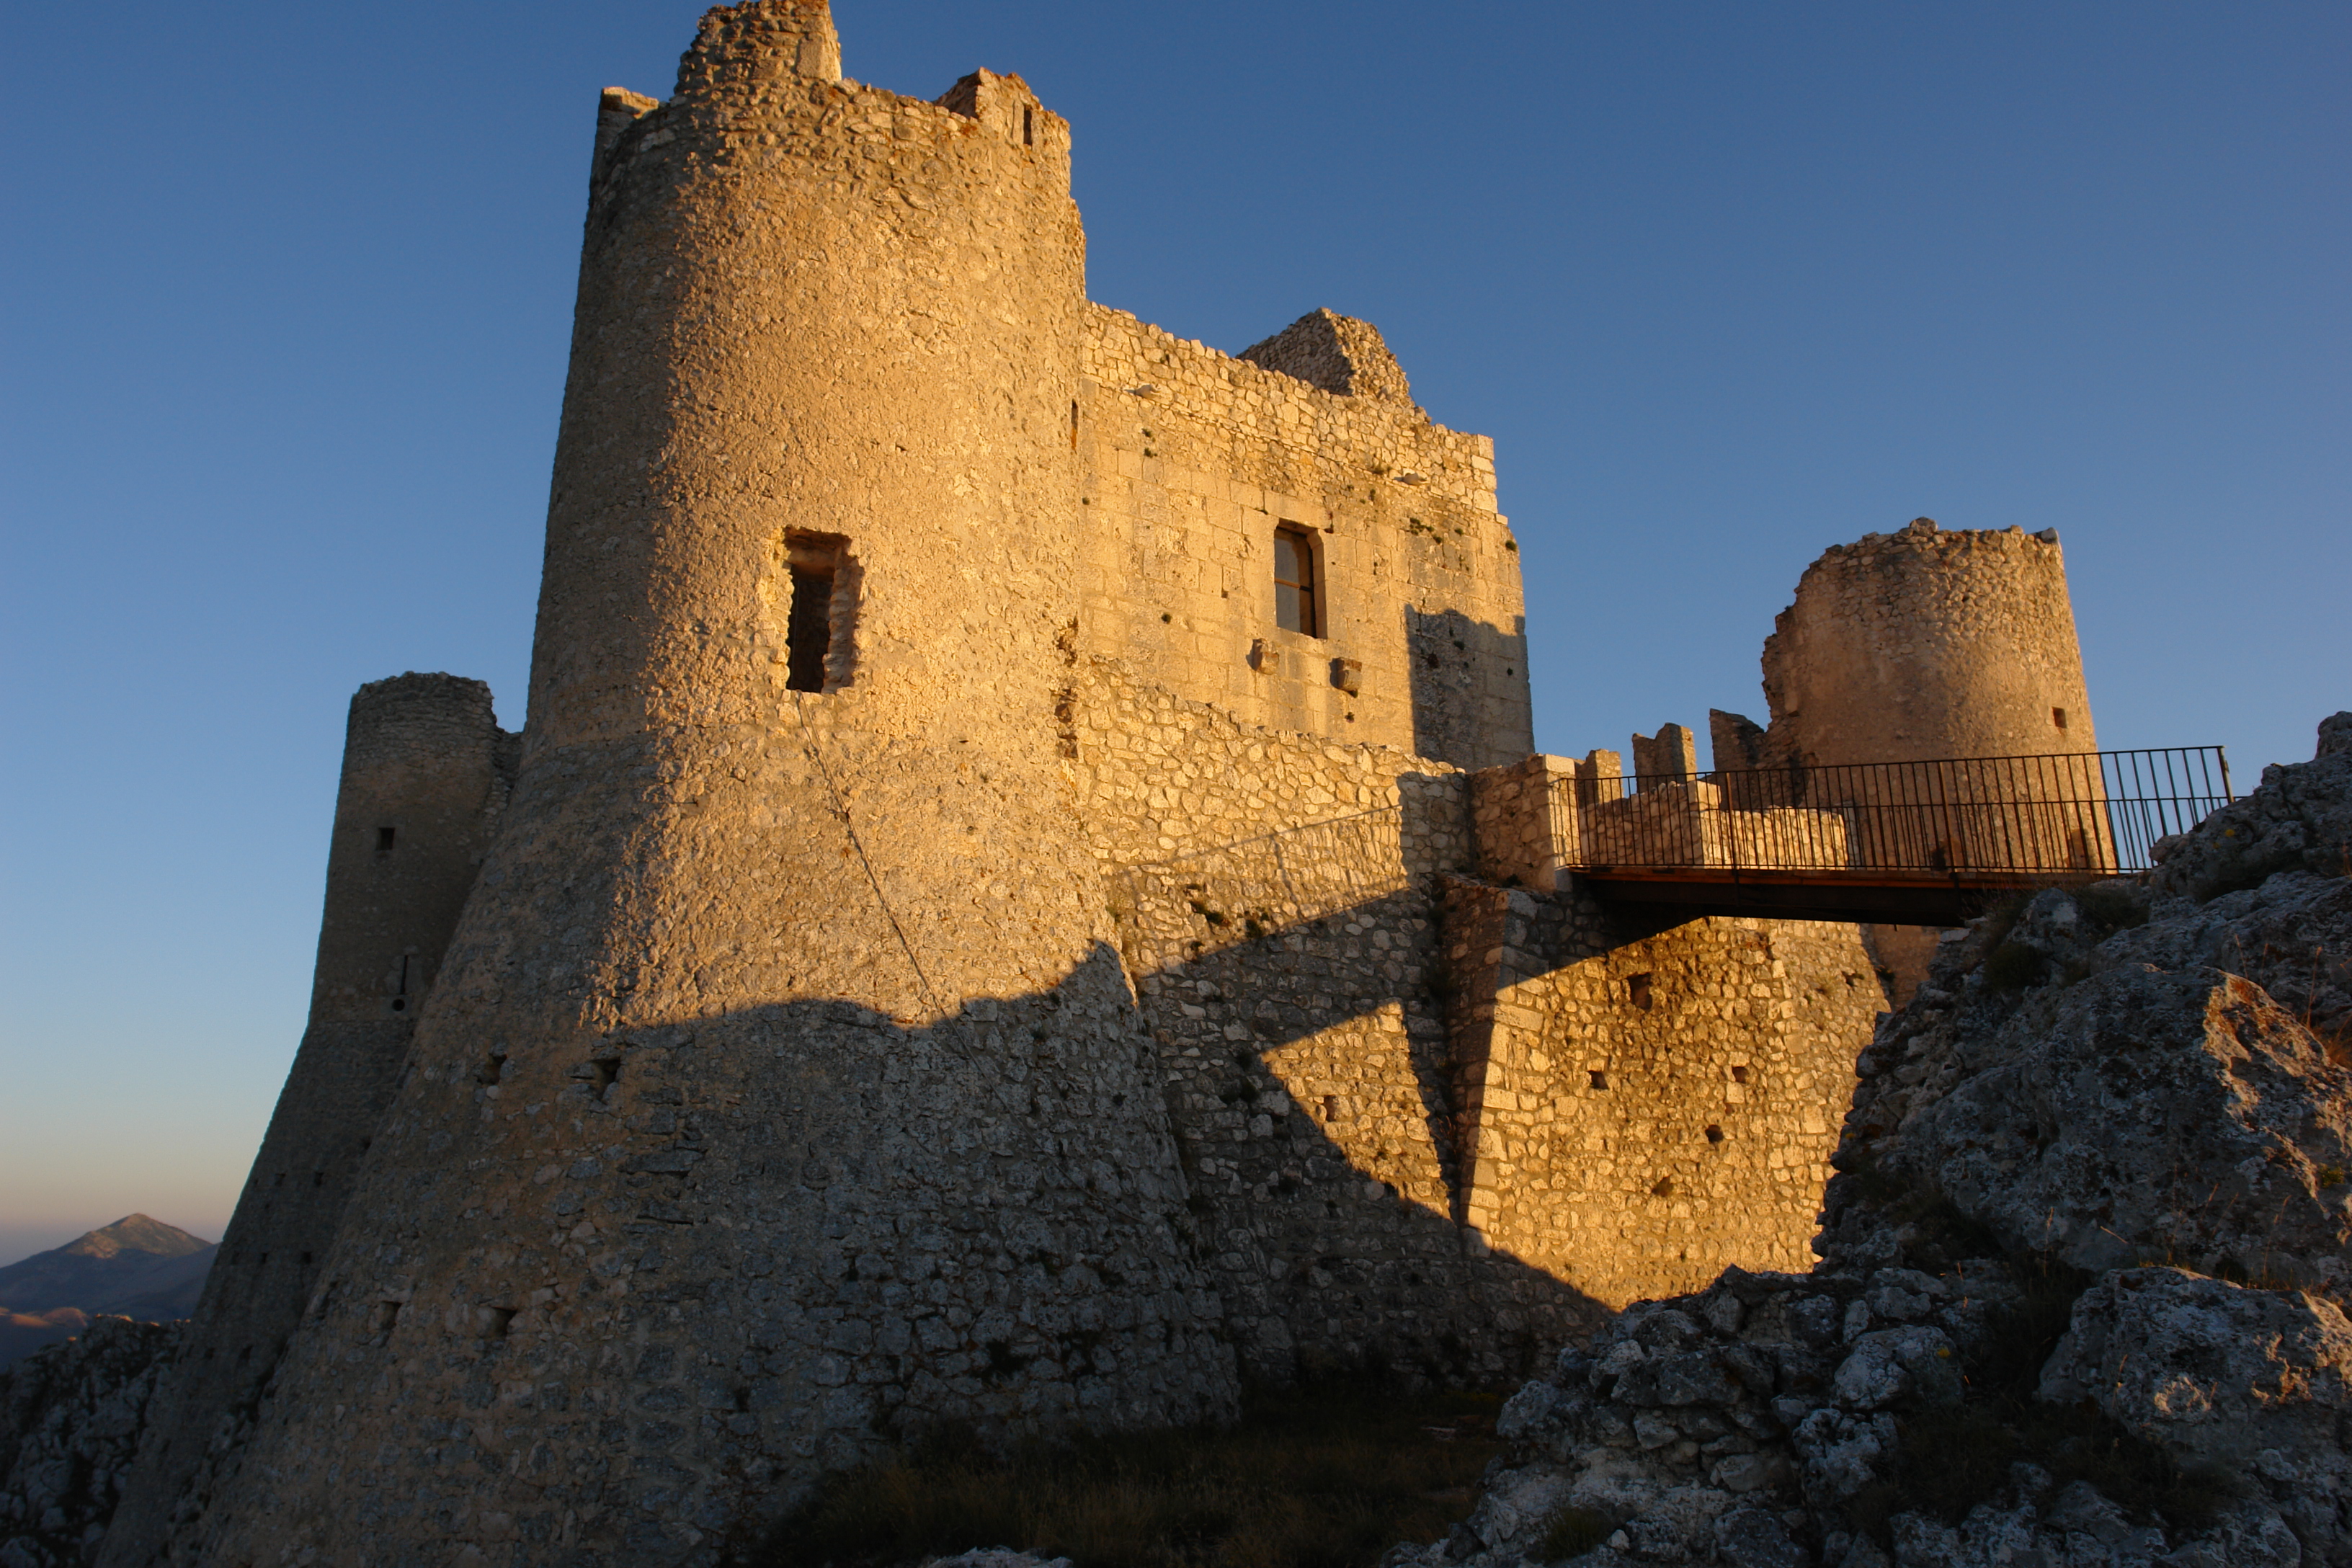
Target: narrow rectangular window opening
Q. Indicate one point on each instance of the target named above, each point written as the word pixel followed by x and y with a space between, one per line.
pixel 1296 603
pixel 1637 991
pixel 2058 717
pixel 812 627
pixel 1028 129
pixel 384 837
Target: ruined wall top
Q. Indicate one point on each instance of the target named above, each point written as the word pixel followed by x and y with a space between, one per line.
pixel 1336 352
pixel 747 44
pixel 1929 642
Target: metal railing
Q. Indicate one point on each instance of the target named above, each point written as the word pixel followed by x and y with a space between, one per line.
pixel 2086 812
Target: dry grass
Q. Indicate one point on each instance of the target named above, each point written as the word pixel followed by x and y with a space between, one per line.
pixel 1328 1475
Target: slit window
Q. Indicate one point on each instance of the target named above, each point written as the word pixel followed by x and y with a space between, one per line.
pixel 2058 717
pixel 384 838
pixel 813 633
pixel 1028 129
pixel 1297 595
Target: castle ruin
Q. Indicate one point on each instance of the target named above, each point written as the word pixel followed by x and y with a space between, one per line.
pixel 1022 899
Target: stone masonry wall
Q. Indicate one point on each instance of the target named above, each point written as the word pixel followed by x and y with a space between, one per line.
pixel 426 777
pixel 1924 644
pixel 1651 1109
pixel 1192 459
pixel 1274 899
pixel 1381 1067
pixel 783 1093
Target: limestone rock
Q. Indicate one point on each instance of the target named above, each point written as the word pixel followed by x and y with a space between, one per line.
pixel 2299 818
pixel 2141 1116
pixel 69 1422
pixel 2207 1368
pixel 2114 1081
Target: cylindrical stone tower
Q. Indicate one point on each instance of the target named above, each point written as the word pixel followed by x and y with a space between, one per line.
pixel 1922 645
pixel 424 776
pixel 783 1091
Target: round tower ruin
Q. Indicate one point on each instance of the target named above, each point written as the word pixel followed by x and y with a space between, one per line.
pixel 1925 644
pixel 783 1091
pixel 425 778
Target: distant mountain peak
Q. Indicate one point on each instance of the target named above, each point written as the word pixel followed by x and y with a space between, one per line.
pixel 136 1233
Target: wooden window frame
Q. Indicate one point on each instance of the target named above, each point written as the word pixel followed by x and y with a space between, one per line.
pixel 1309 553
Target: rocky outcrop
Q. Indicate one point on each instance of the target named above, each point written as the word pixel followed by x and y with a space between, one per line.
pixel 2299 819
pixel 70 1421
pixel 2083 1266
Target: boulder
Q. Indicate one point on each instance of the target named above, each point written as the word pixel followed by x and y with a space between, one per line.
pixel 2298 818
pixel 2143 1117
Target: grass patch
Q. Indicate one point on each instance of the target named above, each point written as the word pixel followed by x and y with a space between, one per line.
pixel 1574 1531
pixel 1329 1475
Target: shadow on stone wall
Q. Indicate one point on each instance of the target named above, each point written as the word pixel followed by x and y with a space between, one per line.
pixel 1296 990
pixel 788 1233
pixel 1317 1114
pixel 1469 688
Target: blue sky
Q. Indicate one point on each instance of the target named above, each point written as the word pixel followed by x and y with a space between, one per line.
pixel 288 293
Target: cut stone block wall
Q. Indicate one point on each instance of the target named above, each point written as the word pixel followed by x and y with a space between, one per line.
pixel 1192 459
pixel 1649 1111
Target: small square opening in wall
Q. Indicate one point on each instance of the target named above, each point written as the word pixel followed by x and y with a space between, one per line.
pixel 1740 1075
pixel 817 622
pixel 384 839
pixel 1637 991
pixel 1597 1078
pixel 2058 717
pixel 1298 591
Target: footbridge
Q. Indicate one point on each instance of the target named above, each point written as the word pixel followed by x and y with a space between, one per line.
pixel 1910 843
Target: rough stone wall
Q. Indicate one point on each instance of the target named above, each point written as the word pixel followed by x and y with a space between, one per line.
pixel 426 777
pixel 1283 929
pixel 1336 352
pixel 1925 644
pixel 1649 1111
pixel 1192 459
pixel 783 1091
pixel 1380 1067
pixel 995 1035
pixel 1920 645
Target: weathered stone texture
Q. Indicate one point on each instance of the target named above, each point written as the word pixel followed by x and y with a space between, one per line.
pixel 2086 1086
pixel 70 1419
pixel 1644 1112
pixel 1192 459
pixel 1924 644
pixel 781 1090
pixel 1052 991
pixel 426 774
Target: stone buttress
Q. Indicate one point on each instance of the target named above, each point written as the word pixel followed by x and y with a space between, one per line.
pixel 426 774
pixel 783 1091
